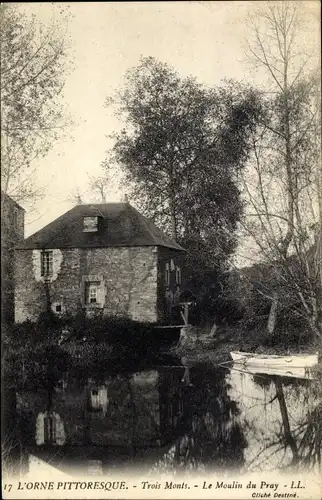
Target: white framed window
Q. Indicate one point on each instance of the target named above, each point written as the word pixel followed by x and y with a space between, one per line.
pixel 178 275
pixel 92 293
pixel 90 224
pixel 98 399
pixel 167 274
pixel 47 263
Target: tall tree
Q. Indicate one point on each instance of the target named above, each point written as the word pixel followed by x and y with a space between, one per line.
pixel 181 149
pixel 98 189
pixel 33 68
pixel 100 186
pixel 281 185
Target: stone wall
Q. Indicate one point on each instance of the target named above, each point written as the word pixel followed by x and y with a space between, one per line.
pixel 12 234
pixel 128 274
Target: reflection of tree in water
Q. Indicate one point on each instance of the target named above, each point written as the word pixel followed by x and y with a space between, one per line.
pixel 212 437
pixel 302 436
pixel 10 442
pixel 37 370
pixel 310 429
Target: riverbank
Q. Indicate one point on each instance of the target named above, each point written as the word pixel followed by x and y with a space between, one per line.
pixel 35 353
pixel 200 347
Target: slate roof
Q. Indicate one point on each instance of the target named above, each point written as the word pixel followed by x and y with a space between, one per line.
pixel 121 225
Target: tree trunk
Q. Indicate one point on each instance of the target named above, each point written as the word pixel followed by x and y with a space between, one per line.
pixel 272 314
pixel 316 328
pixel 286 423
pixel 173 221
pixel 288 159
pixel 319 235
pixel 172 204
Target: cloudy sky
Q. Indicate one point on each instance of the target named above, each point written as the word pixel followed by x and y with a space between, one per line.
pixel 203 39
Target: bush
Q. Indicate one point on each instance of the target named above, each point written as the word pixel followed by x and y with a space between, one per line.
pixel 121 333
pixel 35 366
pixel 33 356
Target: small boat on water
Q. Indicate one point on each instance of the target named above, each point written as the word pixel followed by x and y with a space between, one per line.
pixel 262 360
pixel 280 371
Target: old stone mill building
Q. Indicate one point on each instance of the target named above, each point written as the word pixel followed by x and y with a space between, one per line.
pixel 101 258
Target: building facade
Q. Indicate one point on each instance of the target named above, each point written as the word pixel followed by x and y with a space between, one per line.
pixel 105 259
pixel 12 235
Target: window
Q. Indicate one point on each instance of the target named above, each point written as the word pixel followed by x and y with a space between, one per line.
pixel 90 224
pixel 95 403
pixel 58 307
pixel 178 275
pixel 98 400
pixel 49 430
pixel 47 263
pixel 92 292
pixel 167 274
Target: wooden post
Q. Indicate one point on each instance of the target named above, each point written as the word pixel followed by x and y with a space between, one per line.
pixel 185 314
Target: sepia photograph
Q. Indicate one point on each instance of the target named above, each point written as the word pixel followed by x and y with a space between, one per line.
pixel 161 250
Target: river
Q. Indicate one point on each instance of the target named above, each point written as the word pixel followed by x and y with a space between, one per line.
pixel 174 418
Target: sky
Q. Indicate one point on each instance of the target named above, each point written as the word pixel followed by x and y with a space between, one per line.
pixel 203 39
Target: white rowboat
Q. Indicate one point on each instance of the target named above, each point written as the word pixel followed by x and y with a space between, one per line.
pixel 262 360
pixel 280 371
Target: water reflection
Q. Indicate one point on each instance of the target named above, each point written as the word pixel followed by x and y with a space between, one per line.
pixel 212 437
pixel 174 418
pixel 281 418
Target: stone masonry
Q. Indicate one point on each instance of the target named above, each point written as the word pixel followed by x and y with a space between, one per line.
pixel 132 281
pixel 128 277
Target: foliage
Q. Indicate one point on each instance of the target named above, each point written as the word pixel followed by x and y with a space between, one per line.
pixel 38 353
pixel 282 184
pixel 12 451
pixel 123 342
pixel 181 150
pixel 249 291
pixel 33 69
pixel 221 302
